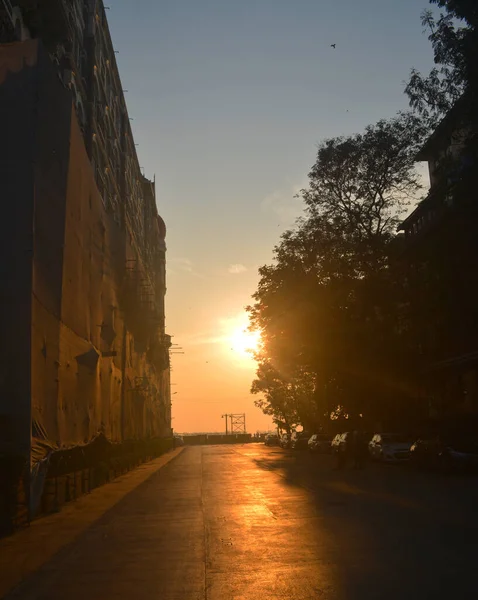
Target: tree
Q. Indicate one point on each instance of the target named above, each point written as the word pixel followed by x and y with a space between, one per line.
pixel 328 306
pixel 364 182
pixel 286 399
pixel 454 38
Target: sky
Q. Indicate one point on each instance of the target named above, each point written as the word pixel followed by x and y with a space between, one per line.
pixel 229 100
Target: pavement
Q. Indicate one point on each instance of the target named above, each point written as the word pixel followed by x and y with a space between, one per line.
pixel 250 522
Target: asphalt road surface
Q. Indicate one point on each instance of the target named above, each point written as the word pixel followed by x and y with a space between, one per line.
pixel 257 523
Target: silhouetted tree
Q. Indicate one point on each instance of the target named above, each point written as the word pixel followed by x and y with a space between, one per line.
pixel 453 34
pixel 329 306
pixel 363 183
pixel 288 399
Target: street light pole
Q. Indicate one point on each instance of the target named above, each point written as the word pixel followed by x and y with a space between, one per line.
pixel 225 416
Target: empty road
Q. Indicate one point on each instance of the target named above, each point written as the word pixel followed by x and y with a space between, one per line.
pixel 256 523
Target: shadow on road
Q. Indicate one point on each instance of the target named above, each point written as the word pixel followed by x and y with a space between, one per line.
pixel 397 533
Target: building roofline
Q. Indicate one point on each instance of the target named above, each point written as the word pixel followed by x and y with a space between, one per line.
pixel 411 216
pixel 420 207
pixel 446 126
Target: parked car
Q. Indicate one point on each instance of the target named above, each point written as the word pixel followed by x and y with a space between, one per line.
pixel 339 443
pixel 299 440
pixel 390 447
pixel 272 439
pixel 178 440
pixel 446 452
pixel 321 443
pixel 284 440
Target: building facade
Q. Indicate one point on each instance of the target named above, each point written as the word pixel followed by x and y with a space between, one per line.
pixel 83 347
pixel 441 253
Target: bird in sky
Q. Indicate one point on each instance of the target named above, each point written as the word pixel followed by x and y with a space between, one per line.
pixel 333 45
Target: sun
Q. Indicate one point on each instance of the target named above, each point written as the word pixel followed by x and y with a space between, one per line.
pixel 245 342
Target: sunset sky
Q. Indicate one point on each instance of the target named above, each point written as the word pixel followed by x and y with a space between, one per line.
pixel 229 100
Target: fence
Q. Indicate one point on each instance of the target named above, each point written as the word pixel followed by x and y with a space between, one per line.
pixel 208 438
pixel 66 475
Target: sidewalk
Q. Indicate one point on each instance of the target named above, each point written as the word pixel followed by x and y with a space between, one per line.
pixel 29 549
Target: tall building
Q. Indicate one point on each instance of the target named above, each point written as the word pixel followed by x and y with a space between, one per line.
pixel 441 250
pixel 83 347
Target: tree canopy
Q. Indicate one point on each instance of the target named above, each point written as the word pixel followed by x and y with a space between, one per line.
pixel 364 182
pixel 334 308
pixel 327 306
pixel 453 33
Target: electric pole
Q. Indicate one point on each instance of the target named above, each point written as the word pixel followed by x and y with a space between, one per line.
pixel 238 422
pixel 225 416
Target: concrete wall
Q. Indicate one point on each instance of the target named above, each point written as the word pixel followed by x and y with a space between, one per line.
pixel 69 354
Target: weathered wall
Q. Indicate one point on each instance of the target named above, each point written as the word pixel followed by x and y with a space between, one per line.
pixel 89 383
pixel 91 397
pixel 67 360
pixel 93 316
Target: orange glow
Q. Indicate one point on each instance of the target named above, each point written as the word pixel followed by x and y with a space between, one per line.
pixel 245 342
pixel 215 373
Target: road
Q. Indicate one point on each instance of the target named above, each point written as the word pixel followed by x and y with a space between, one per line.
pixel 250 522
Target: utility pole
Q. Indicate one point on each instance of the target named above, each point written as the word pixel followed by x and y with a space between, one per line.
pixel 225 416
pixel 238 422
